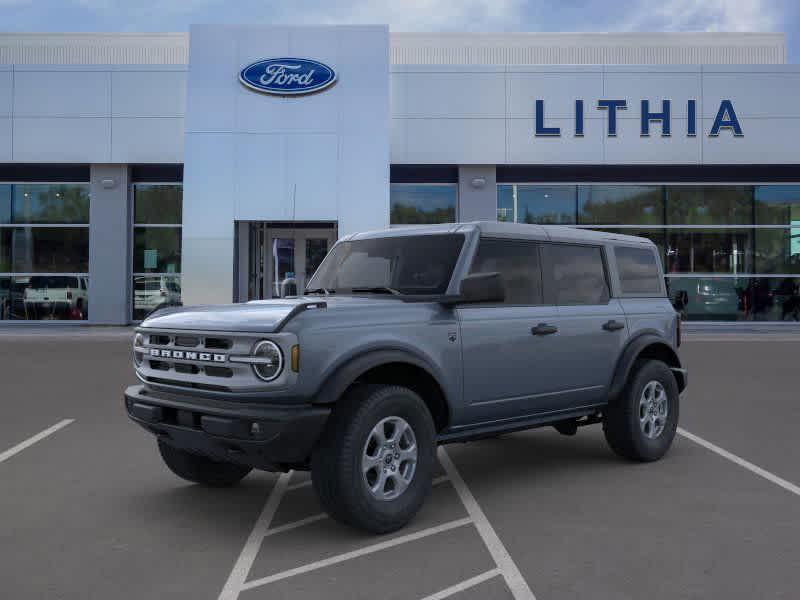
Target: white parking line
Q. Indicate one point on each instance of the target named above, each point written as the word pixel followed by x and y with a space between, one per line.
pixel 298 486
pixel 508 568
pixel 241 568
pixel 787 485
pixel 296 524
pixel 464 585
pixel 356 553
pixel 33 439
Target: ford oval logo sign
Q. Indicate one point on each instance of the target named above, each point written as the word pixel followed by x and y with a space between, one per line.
pixel 287 76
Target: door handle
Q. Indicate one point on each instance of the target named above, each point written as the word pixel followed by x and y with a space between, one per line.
pixel 613 325
pixel 543 329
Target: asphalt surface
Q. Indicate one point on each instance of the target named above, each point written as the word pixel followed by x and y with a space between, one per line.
pixel 89 511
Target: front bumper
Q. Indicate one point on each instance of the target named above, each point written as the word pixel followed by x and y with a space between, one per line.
pixel 269 437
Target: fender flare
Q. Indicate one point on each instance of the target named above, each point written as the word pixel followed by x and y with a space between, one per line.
pixel 342 376
pixel 633 350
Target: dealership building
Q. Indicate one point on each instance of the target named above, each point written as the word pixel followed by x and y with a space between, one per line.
pixel 220 165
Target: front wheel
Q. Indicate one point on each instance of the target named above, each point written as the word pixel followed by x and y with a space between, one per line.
pixel 640 424
pixel 373 466
pixel 199 469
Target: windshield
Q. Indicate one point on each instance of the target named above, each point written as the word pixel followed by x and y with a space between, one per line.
pixel 409 264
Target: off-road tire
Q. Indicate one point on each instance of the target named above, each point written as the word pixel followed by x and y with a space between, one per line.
pixel 200 469
pixel 336 460
pixel 621 419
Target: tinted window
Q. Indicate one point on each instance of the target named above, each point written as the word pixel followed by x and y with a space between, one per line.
pixel 518 263
pixel 411 264
pixel 638 271
pixel 575 274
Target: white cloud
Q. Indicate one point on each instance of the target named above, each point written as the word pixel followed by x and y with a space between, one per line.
pixel 704 15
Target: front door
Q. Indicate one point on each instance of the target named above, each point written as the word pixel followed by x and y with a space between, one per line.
pixel 284 258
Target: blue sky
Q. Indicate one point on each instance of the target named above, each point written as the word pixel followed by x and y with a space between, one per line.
pixel 414 15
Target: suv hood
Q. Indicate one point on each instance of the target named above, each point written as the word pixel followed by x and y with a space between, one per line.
pixel 261 316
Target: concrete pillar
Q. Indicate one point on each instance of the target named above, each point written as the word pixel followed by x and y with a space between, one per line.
pixel 477 193
pixel 109 245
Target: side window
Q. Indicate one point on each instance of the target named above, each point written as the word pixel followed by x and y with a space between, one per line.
pixel 517 262
pixel 638 271
pixel 575 274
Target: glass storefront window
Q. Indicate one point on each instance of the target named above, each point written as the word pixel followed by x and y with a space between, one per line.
pixel 422 203
pixel 620 205
pixel 151 292
pixel 778 250
pixel 157 214
pixel 157 250
pixel 709 205
pixel 546 205
pixel 44 204
pixel 44 251
pixel 709 250
pixel 738 298
pixel 777 205
pixel 158 204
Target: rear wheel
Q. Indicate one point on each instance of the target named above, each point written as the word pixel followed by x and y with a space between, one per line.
pixel 373 466
pixel 200 469
pixel 640 424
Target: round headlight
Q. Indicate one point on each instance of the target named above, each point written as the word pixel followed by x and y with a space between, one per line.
pixel 270 364
pixel 138 348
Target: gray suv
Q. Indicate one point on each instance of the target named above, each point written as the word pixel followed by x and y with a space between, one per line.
pixel 409 338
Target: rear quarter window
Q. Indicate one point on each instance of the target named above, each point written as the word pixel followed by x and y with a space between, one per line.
pixel 638 271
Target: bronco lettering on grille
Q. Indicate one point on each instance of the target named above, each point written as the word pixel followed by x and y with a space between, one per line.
pixel 201 356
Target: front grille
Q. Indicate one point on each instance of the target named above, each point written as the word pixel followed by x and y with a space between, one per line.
pixel 218 343
pixel 188 369
pixel 219 372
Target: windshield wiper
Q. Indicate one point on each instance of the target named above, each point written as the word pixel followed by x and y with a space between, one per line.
pixel 321 290
pixel 378 289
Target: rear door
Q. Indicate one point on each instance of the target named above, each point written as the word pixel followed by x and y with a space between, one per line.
pixel 507 367
pixel 592 329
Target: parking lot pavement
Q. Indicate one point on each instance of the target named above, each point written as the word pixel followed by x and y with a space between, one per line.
pixel 88 510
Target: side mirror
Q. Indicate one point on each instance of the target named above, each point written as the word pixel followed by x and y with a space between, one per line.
pixel 681 300
pixel 482 287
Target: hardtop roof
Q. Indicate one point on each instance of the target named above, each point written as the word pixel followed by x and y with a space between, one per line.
pixel 561 233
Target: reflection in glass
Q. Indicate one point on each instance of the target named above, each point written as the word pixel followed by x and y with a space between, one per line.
pixel 158 204
pixel 778 250
pixel 44 249
pixel 25 203
pixel 44 298
pixel 284 279
pixel 414 204
pixel 711 299
pixel 505 203
pixel 738 298
pixel 709 251
pixel 620 205
pixel 552 205
pixel 316 249
pixel 152 292
pixel 709 205
pixel 157 249
pixel 777 205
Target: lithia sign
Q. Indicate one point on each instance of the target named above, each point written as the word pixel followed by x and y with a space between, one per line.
pixel 725 120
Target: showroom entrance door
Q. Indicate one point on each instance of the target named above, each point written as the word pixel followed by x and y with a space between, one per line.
pixel 284 256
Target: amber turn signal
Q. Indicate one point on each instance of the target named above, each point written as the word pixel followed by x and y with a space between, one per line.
pixel 296 358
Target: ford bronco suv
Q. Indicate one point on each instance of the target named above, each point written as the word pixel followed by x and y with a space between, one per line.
pixel 409 338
